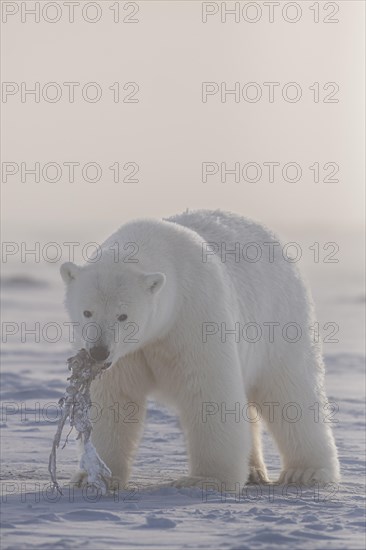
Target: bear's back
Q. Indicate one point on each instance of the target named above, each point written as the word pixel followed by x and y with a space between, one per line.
pixel 211 224
pixel 265 281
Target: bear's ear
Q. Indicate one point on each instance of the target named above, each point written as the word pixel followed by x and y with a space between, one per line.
pixel 68 272
pixel 153 282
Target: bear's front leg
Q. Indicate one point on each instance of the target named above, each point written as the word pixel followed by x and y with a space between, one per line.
pixel 116 434
pixel 218 437
pixel 118 412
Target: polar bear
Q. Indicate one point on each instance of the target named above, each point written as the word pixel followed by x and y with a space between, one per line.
pixel 205 312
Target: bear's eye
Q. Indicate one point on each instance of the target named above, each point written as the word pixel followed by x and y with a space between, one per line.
pixel 122 317
pixel 87 313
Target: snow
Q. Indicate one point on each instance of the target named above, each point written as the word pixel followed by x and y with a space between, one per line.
pixel 145 515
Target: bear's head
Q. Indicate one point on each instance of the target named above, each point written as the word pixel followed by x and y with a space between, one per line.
pixel 114 307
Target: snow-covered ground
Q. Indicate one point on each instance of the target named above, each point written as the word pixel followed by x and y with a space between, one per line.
pixel 33 379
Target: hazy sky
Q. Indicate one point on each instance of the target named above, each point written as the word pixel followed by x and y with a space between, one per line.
pixel 162 139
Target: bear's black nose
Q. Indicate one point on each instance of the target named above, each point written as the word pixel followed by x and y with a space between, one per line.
pixel 99 353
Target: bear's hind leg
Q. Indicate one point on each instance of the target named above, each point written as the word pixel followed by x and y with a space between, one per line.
pixel 306 443
pixel 258 471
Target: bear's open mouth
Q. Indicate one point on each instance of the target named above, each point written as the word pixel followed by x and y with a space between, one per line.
pixel 103 364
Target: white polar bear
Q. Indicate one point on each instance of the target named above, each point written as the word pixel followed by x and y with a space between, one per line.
pixel 204 311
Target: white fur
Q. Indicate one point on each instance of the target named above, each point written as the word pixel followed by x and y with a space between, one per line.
pixel 170 293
